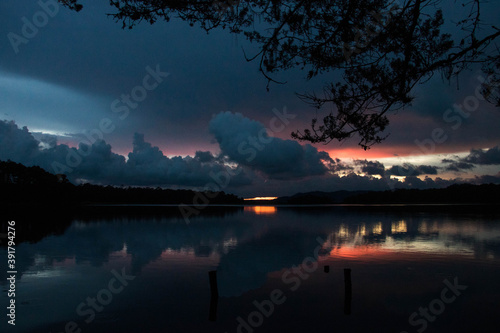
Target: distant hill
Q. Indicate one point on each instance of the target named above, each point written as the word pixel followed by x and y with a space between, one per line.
pixel 317 197
pixel 458 193
pixel 33 185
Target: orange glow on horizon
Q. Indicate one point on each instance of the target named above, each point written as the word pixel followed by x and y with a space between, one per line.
pixel 360 252
pixel 387 151
pixel 261 210
pixel 360 154
pixel 261 198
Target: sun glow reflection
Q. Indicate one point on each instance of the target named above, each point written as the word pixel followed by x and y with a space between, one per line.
pixel 261 210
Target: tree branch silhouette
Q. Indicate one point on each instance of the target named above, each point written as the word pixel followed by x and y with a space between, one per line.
pixel 379 50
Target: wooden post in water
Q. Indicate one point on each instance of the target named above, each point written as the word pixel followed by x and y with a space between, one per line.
pixel 214 291
pixel 326 269
pixel 212 313
pixel 214 295
pixel 348 291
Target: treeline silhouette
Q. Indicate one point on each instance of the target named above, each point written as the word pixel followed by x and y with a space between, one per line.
pixel 33 185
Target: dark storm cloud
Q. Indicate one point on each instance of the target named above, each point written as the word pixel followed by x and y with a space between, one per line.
pixel 336 165
pixel 17 144
pixel 147 165
pixel 457 166
pixel 413 182
pixel 204 156
pixel 96 163
pixel 46 140
pixel 484 157
pixel 487 179
pixel 476 157
pixel 408 169
pixel 247 143
pixel 428 183
pixel 371 167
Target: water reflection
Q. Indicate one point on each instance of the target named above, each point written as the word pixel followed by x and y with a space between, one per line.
pixel 261 210
pixel 376 229
pixel 437 238
pixel 399 227
pixel 246 248
pixel 241 239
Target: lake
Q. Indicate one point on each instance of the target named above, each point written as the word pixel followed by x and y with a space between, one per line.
pixel 276 269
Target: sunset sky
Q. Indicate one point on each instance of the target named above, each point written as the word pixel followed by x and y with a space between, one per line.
pixel 176 107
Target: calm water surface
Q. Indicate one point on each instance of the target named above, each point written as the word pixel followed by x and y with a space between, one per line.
pixel 279 269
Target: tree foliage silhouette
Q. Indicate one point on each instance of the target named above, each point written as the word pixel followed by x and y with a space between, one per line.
pixel 380 49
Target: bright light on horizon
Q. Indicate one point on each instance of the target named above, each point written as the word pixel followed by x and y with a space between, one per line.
pixel 261 198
